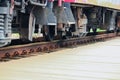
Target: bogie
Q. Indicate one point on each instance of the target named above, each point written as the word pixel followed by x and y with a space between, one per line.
pixel 51 18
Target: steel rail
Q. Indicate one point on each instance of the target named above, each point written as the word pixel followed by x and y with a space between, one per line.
pixel 26 49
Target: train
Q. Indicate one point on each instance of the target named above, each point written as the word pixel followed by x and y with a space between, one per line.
pixel 63 18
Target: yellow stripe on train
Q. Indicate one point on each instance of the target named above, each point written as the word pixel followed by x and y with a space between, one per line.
pixel 105 3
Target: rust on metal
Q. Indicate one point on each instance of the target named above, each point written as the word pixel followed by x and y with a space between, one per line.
pixel 13 51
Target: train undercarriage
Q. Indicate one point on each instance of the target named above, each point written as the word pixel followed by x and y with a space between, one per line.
pixel 50 18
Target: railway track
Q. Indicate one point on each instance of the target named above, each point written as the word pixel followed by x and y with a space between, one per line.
pixel 11 52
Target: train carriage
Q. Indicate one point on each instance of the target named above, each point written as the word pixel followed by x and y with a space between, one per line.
pixel 100 13
pixel 63 18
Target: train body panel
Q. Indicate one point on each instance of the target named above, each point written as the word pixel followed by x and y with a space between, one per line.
pixel 115 4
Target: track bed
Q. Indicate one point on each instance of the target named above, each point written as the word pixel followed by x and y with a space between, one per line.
pixel 28 49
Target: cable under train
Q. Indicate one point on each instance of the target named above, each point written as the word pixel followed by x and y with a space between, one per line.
pixel 64 18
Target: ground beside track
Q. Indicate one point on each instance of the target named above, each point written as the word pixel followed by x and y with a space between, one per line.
pixel 98 61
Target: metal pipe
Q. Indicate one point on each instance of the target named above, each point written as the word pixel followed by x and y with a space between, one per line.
pixel 39 4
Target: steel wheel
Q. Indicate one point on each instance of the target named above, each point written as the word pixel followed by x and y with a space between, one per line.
pixel 48 33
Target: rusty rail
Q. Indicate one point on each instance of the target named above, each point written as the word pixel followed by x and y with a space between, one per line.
pixel 18 50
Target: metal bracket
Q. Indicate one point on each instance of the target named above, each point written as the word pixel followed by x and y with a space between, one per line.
pixel 39 4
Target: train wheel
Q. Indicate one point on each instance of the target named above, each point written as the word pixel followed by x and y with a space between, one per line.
pixel 69 34
pixel 3 44
pixel 88 29
pixel 48 33
pixel 64 34
pixel 94 31
pixel 59 34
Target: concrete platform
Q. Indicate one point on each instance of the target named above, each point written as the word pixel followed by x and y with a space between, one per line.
pixel 97 61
